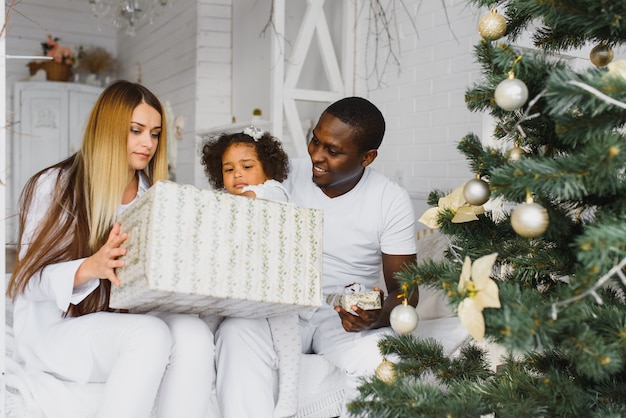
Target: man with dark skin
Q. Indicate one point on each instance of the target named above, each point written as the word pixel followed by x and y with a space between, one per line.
pixel 369 229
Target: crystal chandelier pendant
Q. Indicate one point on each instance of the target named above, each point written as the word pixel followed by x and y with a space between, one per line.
pixel 133 14
pixel 128 14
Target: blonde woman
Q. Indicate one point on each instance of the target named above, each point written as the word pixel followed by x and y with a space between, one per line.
pixel 68 250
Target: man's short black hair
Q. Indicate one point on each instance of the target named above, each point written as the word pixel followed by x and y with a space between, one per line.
pixel 364 117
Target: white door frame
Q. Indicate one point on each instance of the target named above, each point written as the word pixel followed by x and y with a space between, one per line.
pixel 284 78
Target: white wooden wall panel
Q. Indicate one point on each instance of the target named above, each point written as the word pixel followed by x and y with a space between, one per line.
pixel 213 95
pixel 423 99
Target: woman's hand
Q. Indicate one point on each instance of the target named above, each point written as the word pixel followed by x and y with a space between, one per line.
pixel 103 263
pixel 363 319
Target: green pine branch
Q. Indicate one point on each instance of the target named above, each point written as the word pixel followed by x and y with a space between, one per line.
pixel 559 25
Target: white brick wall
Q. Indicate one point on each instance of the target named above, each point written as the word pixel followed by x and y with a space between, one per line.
pixel 424 103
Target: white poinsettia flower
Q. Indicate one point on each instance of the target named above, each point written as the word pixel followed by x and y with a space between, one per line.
pixel 482 292
pixel 472 318
pixel 429 218
pixel 456 202
pixel 617 68
pixel 467 214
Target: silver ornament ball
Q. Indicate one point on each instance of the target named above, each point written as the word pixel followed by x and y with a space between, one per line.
pixel 476 192
pixel 530 220
pixel 511 94
pixel 403 319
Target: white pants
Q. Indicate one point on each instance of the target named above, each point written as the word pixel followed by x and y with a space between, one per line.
pixel 139 356
pixel 246 360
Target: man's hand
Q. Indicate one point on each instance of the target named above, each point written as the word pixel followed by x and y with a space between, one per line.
pixel 363 319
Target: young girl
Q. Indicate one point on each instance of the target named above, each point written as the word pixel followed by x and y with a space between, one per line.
pixel 252 163
pixel 68 250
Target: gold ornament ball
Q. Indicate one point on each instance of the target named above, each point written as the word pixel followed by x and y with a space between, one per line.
pixel 403 319
pixel 476 192
pixel 515 154
pixel 601 55
pixel 492 26
pixel 530 220
pixel 511 94
pixel 386 371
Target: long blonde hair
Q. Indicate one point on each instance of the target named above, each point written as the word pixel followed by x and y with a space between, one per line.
pixel 88 192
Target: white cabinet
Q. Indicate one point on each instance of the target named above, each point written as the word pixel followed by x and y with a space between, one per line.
pixel 48 122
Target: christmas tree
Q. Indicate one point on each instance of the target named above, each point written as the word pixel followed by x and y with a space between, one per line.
pixel 536 258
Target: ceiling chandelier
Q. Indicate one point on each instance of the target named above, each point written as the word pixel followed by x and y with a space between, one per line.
pixel 128 13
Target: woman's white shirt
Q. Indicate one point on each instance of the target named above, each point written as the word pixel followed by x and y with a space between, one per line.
pixel 50 292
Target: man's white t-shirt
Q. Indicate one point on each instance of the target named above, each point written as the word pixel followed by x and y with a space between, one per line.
pixel 375 217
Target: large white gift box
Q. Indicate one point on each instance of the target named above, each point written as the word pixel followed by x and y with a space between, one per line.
pixel 200 251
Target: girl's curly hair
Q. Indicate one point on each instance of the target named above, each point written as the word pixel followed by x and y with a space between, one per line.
pixel 273 158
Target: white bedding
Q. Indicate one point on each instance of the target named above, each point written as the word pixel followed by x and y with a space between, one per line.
pixel 40 395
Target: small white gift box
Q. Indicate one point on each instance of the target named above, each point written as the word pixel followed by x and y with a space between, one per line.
pixel 201 251
pixel 365 300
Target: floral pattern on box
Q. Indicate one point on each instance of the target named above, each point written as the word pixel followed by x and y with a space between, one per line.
pixel 201 251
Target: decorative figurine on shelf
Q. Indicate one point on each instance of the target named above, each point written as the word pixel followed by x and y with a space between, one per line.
pixel 60 67
pixel 59 53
